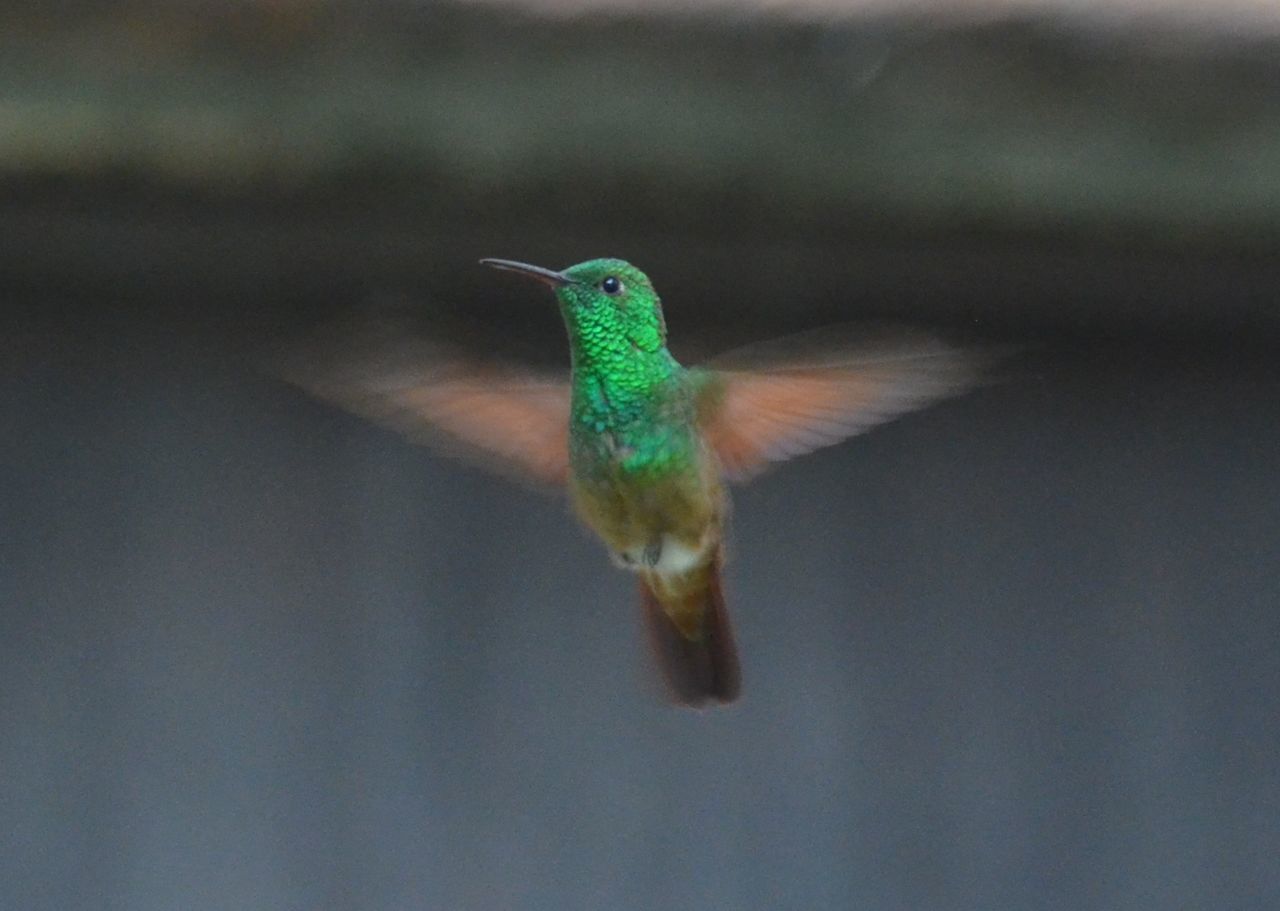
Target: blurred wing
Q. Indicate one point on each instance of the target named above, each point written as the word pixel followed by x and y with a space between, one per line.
pixel 515 422
pixel 770 402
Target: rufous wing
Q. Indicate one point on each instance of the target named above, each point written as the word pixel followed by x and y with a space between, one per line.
pixel 781 399
pixel 513 421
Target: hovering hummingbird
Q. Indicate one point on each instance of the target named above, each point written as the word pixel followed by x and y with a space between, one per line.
pixel 645 446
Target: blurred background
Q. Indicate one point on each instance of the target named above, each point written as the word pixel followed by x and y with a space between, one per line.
pixel 1017 651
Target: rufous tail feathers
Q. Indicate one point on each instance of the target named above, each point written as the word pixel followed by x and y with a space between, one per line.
pixel 689 631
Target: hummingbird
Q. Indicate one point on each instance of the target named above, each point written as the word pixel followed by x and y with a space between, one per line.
pixel 645 446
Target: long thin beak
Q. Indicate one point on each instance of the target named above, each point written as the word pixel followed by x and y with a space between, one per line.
pixel 554 279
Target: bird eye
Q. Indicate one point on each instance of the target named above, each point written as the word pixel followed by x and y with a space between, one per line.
pixel 611 285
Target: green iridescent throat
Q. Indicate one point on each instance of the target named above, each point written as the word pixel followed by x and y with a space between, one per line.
pixel 631 407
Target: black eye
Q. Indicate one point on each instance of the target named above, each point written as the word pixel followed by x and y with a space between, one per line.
pixel 611 284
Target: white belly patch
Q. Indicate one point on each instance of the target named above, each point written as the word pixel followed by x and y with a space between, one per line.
pixel 671 557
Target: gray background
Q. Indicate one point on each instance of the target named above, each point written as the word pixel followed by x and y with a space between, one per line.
pixel 1017 651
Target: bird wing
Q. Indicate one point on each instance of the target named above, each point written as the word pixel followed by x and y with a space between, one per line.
pixel 770 402
pixel 513 421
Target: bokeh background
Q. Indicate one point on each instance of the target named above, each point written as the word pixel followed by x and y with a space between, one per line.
pixel 1017 651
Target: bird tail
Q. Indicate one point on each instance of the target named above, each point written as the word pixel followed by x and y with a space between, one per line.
pixel 689 632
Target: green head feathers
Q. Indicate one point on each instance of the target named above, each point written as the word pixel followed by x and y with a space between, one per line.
pixel 609 306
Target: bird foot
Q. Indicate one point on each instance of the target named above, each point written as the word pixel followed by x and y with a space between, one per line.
pixel 636 558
